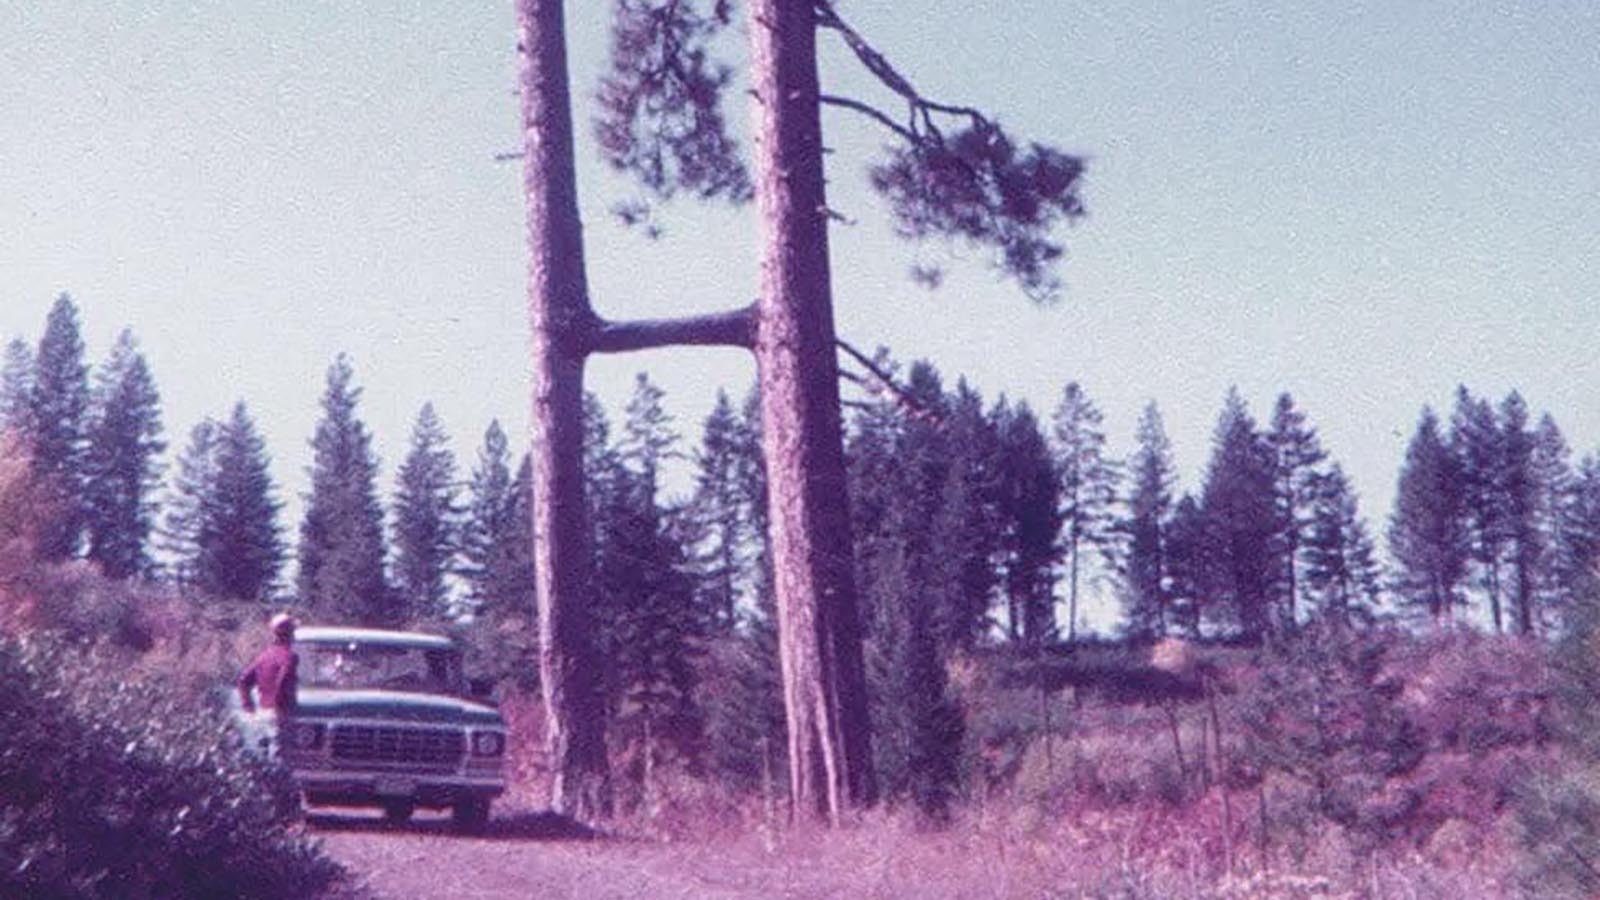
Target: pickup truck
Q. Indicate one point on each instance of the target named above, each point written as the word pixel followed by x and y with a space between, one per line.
pixel 385 719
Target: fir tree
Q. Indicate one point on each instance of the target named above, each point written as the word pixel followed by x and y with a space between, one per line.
pixel 1240 515
pixel 16 388
pixel 120 464
pixel 1088 488
pixel 341 551
pixel 242 548
pixel 1341 574
pixel 58 409
pixel 185 524
pixel 425 520
pixel 1428 537
pixel 1147 567
pixel 1296 455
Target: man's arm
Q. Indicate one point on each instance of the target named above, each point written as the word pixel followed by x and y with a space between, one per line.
pixel 246 682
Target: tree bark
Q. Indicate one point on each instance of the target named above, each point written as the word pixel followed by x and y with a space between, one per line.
pixel 558 306
pixel 819 626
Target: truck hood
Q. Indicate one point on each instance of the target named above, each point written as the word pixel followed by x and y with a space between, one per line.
pixel 399 705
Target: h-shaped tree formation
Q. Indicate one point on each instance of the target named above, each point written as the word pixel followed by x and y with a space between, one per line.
pixel 952 172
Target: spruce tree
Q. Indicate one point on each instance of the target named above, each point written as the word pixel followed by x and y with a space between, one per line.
pixel 1297 453
pixel 58 410
pixel 121 469
pixel 1428 537
pixel 242 547
pixel 1241 517
pixel 1341 572
pixel 341 550
pixel 1146 530
pixel 1088 488
pixel 185 524
pixel 16 389
pixel 426 520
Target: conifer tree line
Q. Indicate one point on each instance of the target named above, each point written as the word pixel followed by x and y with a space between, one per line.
pixel 998 519
pixel 976 522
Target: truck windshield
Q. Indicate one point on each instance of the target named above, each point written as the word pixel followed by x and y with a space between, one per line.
pixel 385 666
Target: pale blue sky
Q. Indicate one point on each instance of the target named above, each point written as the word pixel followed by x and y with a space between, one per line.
pixel 1362 203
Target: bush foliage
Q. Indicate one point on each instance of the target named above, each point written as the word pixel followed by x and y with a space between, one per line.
pixel 110 787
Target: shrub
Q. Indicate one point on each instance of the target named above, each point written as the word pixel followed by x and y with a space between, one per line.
pixel 1325 712
pixel 113 786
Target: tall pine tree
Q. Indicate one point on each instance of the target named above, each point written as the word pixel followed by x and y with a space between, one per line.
pixel 121 469
pixel 1146 562
pixel 1088 488
pixel 1241 517
pixel 1560 572
pixel 720 517
pixel 1477 442
pixel 1030 521
pixel 1297 453
pixel 341 550
pixel 1428 537
pixel 426 520
pixel 967 529
pixel 58 411
pixel 652 632
pixel 1341 572
pixel 1519 499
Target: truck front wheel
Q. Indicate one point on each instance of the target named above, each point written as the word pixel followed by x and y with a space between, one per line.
pixel 470 815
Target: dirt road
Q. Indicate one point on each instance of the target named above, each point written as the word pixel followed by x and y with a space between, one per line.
pixel 530 854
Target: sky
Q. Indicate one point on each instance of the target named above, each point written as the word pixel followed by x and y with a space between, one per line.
pixel 1364 204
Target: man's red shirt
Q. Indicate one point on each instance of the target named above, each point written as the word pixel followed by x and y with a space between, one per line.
pixel 274 675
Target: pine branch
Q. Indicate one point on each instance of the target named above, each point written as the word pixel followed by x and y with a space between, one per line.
pixel 871 112
pixel 733 328
pixel 882 378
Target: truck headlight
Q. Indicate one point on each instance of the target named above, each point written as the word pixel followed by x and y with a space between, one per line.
pixel 488 743
pixel 305 735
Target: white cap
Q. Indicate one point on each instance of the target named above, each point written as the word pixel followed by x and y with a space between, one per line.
pixel 282 622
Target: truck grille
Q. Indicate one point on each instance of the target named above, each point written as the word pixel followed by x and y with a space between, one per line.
pixel 407 747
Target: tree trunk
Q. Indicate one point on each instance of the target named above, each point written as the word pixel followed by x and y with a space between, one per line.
pixel 558 305
pixel 819 624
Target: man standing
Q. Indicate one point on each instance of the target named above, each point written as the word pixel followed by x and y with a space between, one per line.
pixel 274 678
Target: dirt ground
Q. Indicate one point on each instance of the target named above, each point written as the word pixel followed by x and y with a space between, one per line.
pixel 537 854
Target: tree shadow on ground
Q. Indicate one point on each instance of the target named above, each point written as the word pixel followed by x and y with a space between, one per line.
pixel 519 825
